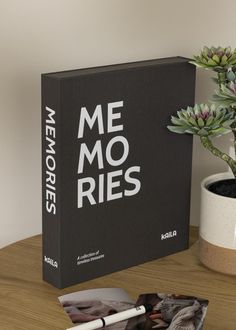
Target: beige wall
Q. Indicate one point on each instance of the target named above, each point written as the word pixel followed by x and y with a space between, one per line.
pixel 47 35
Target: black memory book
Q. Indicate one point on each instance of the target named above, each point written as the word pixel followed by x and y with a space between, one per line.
pixel 115 181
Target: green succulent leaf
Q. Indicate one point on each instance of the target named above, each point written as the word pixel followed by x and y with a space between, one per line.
pixel 220 131
pixel 203 132
pixel 200 122
pixel 224 60
pixel 216 59
pixel 192 121
pixel 228 123
pixel 230 75
pixel 209 121
pixel 177 129
pixel 211 62
pixel 175 121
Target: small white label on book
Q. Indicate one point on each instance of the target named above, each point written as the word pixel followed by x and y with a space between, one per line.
pixel 51 262
pixel 169 234
pixel 90 257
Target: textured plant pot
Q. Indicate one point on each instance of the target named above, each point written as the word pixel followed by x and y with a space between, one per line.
pixel 218 228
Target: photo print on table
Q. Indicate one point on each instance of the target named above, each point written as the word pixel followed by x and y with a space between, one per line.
pixel 170 311
pixel 89 305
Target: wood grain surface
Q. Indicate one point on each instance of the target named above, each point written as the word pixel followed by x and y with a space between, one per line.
pixel 26 302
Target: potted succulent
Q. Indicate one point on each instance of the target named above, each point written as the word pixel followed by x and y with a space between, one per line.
pixel 218 192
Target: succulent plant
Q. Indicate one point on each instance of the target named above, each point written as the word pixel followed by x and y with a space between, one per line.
pixel 226 96
pixel 202 120
pixel 216 58
pixel 219 118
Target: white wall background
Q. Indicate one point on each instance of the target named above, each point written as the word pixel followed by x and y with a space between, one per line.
pixel 40 36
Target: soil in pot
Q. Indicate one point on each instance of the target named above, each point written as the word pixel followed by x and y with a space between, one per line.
pixel 225 188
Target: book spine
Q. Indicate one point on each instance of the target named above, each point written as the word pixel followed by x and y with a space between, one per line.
pixel 51 180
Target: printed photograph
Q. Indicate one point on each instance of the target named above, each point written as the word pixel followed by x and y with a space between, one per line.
pixel 170 311
pixel 89 305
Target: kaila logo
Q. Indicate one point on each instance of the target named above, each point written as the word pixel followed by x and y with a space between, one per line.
pixel 51 262
pixel 170 234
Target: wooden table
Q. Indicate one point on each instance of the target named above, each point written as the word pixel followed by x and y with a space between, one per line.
pixel 28 303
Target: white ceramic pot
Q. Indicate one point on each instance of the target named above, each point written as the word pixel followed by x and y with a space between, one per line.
pixel 218 228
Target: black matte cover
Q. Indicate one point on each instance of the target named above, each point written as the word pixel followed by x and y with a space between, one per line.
pixel 115 181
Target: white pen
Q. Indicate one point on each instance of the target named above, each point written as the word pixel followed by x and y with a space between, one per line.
pixel 114 318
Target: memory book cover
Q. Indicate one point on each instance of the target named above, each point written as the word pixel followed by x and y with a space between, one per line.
pixel 115 181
